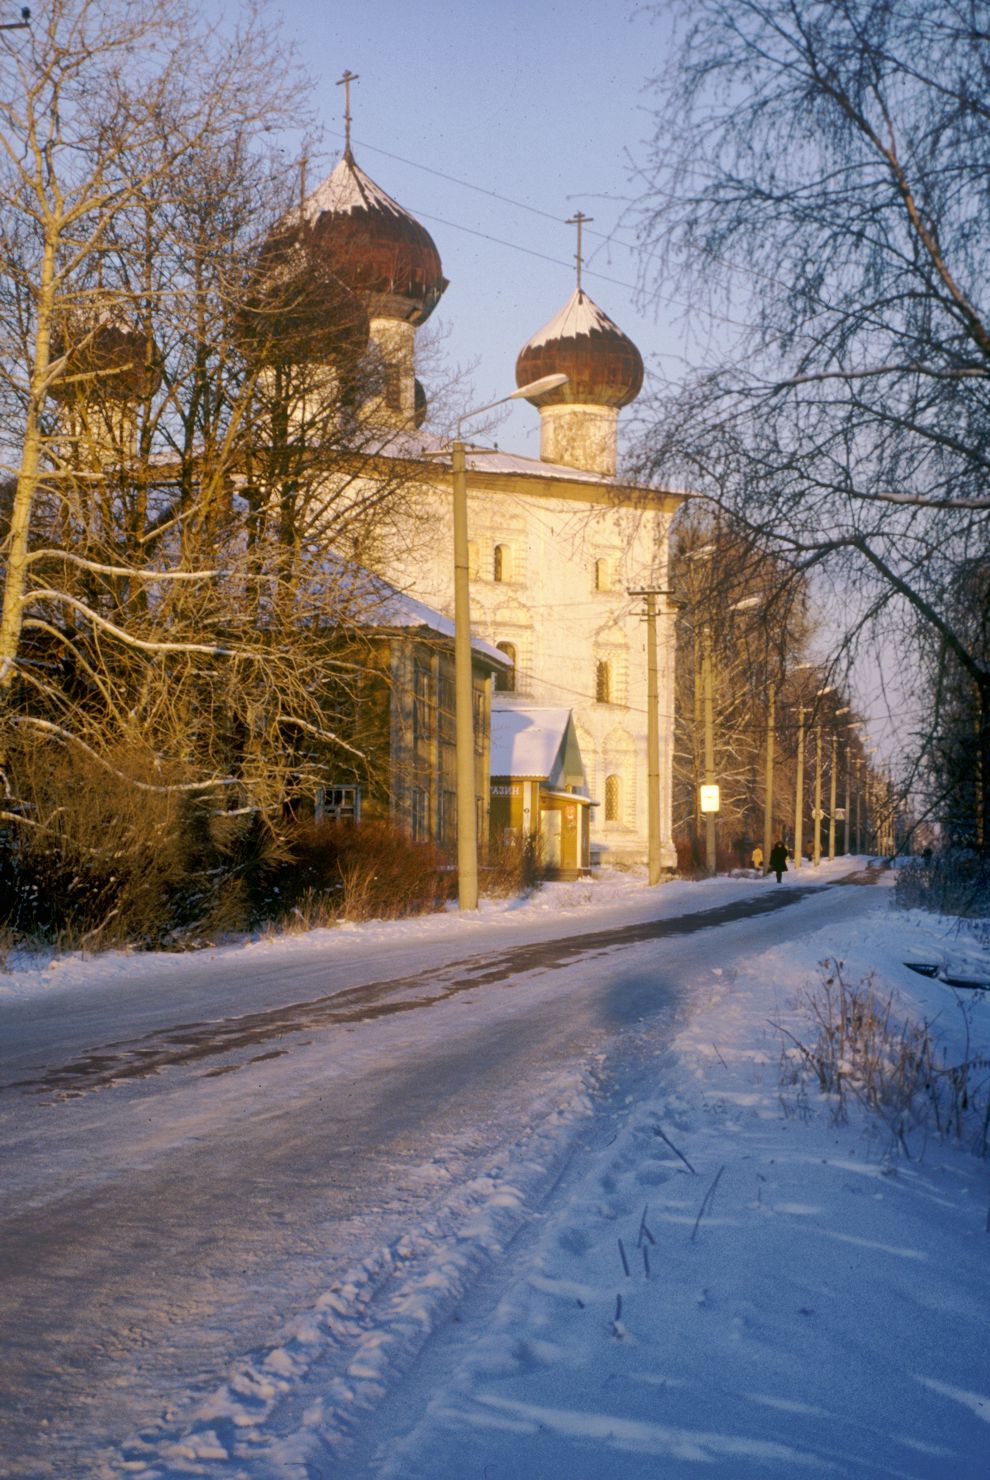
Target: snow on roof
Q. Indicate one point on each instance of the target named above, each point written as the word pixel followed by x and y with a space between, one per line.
pixel 377 603
pixel 422 444
pixel 578 316
pixel 346 189
pixel 526 742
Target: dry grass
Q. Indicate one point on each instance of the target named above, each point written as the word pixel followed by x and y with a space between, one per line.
pixel 859 1052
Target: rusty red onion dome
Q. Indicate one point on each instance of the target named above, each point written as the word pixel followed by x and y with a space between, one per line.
pixel 603 367
pixel 296 310
pixel 106 357
pixel 374 246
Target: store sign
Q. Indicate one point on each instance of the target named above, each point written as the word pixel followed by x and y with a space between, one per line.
pixel 709 799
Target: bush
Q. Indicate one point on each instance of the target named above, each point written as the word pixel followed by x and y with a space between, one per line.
pixel 353 871
pixel 956 882
pixel 96 861
pixel 513 866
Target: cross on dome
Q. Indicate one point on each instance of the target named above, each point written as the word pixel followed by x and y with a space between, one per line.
pixel 579 219
pixel 345 83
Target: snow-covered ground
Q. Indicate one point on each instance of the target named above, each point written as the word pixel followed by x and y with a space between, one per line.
pixel 670 1257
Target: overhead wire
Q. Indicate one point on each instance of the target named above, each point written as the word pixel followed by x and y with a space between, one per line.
pixel 604 237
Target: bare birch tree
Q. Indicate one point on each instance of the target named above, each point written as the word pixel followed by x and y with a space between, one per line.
pixel 819 174
pixel 184 422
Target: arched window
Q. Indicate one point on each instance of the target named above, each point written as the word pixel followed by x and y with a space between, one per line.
pixel 505 683
pixel 500 563
pixel 603 681
pixel 613 798
pixel 603 575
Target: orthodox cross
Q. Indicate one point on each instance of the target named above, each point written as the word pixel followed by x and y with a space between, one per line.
pixel 345 83
pixel 579 220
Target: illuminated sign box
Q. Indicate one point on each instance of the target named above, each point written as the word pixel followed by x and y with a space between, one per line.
pixel 709 799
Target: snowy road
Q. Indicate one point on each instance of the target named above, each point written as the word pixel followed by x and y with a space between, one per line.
pixel 199 1159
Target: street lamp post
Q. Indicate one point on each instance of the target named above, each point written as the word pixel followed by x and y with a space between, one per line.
pixel 467 819
pixel 709 720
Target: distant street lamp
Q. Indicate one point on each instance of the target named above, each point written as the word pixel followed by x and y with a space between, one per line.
pixel 467 821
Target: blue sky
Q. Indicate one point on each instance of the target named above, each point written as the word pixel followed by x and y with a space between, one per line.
pixel 543 104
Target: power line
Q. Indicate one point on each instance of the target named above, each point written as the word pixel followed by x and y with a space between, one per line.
pixel 529 251
pixel 520 205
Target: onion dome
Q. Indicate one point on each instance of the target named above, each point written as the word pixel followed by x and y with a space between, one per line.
pixel 602 366
pixel 106 356
pixel 297 310
pixel 373 245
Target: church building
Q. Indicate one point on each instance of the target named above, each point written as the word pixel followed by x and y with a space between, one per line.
pixel 557 544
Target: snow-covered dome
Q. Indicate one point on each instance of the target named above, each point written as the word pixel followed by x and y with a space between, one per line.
pixel 603 367
pixel 297 310
pixel 373 245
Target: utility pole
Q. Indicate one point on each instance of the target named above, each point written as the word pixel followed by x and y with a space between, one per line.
pixel 848 822
pixel 831 800
pixel 799 794
pixel 817 850
pixel 768 788
pixel 467 821
pixel 652 733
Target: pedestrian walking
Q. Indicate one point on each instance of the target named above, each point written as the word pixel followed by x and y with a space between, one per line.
pixel 778 859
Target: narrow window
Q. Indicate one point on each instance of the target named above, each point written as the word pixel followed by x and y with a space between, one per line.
pixel 420 814
pixel 612 798
pixel 603 576
pixel 603 681
pixel 393 388
pixel 500 563
pixel 505 683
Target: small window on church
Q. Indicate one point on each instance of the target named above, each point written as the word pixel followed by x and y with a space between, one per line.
pixel 393 387
pixel 613 796
pixel 500 563
pixel 603 681
pixel 474 564
pixel 505 683
pixel 603 575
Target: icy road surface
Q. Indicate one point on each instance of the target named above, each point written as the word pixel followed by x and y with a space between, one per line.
pixel 240 1192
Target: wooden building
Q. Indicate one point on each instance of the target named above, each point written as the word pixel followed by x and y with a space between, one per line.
pixel 539 791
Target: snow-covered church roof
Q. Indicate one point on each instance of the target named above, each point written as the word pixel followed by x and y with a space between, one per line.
pixel 372 243
pixel 602 365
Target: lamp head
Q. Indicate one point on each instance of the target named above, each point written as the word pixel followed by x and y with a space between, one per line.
pixel 539 387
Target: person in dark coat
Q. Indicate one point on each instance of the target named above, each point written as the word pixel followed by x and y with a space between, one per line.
pixel 778 860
